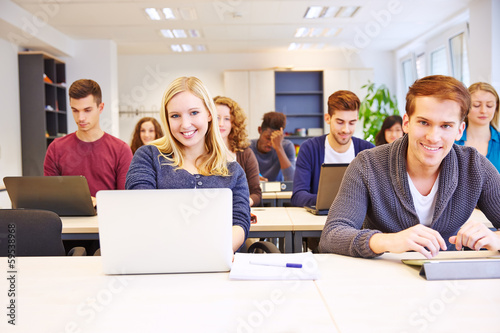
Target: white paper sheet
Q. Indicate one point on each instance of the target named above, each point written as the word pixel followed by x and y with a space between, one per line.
pixel 247 266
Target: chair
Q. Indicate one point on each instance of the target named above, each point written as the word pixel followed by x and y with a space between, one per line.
pixel 263 247
pixel 33 232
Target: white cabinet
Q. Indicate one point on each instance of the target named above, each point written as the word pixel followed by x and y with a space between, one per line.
pixel 254 92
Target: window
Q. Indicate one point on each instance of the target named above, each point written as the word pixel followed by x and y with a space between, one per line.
pixel 459 59
pixel 438 62
pixel 408 76
pixel 420 64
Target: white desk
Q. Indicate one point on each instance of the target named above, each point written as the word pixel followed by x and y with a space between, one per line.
pixel 384 295
pixel 271 222
pixel 306 224
pixel 276 199
pixel 65 294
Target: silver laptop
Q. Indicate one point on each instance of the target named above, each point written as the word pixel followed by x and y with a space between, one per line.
pixel 64 195
pixel 329 183
pixel 165 231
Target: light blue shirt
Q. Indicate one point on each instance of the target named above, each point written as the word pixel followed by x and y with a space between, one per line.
pixel 493 146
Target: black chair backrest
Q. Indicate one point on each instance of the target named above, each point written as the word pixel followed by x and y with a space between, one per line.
pixel 32 232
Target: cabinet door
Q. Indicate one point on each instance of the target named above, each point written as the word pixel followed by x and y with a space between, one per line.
pixel 261 99
pixel 254 92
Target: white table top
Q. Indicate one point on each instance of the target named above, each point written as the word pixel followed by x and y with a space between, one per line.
pixel 268 219
pixel 68 294
pixel 303 220
pixel 65 294
pixel 271 219
pixel 385 295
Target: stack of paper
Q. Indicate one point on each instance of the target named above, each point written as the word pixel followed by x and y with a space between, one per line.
pixel 301 266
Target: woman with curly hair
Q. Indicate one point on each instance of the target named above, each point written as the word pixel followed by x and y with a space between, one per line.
pixel 232 127
pixel 146 130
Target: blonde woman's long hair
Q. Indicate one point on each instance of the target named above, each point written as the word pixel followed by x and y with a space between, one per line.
pixel 214 161
pixel 488 88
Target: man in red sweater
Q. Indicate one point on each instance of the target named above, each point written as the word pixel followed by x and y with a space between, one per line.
pixel 100 157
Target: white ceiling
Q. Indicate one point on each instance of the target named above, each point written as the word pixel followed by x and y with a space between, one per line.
pixel 232 26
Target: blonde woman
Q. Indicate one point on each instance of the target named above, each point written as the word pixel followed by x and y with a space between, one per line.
pixel 231 119
pixel 482 122
pixel 192 153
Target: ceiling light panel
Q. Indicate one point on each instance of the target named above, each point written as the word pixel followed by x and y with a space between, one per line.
pixel 153 14
pixel 188 13
pixel 331 12
pixel 170 14
pixel 167 33
pixel 348 11
pixel 176 48
pixel 179 33
pixel 193 33
pixel 313 12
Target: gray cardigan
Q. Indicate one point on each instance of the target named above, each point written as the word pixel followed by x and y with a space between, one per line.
pixel 375 197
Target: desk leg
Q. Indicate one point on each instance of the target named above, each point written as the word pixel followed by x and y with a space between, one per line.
pixel 297 241
pixel 288 242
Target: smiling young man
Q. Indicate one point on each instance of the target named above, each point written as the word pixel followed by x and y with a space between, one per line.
pixel 339 146
pixel 418 193
pixel 100 157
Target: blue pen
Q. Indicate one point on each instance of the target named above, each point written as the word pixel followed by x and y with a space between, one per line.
pixel 288 264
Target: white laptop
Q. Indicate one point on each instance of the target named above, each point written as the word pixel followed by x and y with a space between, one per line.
pixel 165 231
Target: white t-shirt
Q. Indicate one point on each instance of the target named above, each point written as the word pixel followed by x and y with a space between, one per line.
pixel 424 204
pixel 332 157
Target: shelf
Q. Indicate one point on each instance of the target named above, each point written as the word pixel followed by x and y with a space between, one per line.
pixel 40 126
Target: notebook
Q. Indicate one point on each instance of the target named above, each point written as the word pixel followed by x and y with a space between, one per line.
pixel 165 231
pixel 329 183
pixel 64 195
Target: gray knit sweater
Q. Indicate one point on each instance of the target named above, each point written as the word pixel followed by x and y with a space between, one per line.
pixel 375 197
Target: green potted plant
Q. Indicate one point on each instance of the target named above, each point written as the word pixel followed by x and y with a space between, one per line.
pixel 375 107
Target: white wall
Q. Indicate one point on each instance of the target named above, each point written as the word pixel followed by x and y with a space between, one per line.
pixel 143 78
pixel 97 60
pixel 10 121
pixel 485 41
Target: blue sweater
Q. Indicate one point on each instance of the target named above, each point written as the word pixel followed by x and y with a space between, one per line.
pixel 269 164
pixel 493 154
pixel 308 168
pixel 149 170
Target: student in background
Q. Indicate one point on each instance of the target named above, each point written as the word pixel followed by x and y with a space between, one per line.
pixel 392 129
pixel 339 146
pixel 192 153
pixel 418 193
pixel 232 126
pixel 276 155
pixel 90 152
pixel 146 130
pixel 482 122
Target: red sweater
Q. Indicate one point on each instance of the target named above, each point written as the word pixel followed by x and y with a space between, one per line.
pixel 104 162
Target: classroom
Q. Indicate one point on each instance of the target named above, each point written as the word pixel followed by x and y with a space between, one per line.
pixel 295 57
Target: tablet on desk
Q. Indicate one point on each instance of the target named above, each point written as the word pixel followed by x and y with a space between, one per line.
pixel 64 195
pixel 457 268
